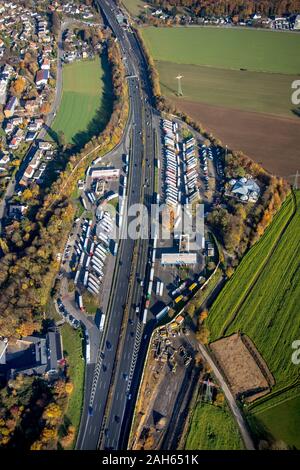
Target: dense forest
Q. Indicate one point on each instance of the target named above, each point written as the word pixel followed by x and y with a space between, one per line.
pixel 232 7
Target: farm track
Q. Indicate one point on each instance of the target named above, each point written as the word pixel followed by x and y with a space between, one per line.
pixel 260 270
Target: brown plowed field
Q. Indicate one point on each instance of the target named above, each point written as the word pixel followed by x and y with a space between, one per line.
pixel 270 140
pixel 245 370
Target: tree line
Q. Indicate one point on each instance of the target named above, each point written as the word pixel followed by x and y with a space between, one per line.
pixel 242 8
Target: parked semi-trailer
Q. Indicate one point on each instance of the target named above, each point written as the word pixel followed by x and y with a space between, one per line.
pixel 179 289
pixel 80 302
pixel 115 249
pixel 92 289
pixel 94 284
pixel 162 313
pixel 83 202
pixel 157 288
pixel 145 316
pixel 94 280
pixel 98 262
pixel 98 271
pixel 90 198
pixel 86 274
pixel 102 321
pixel 161 289
pixel 76 276
pixel 102 255
pixel 99 256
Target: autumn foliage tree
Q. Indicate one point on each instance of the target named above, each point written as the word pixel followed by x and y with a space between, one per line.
pixel 18 86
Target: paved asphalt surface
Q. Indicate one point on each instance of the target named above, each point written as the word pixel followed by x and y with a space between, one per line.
pixel 110 377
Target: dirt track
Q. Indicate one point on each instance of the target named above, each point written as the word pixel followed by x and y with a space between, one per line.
pixel 272 141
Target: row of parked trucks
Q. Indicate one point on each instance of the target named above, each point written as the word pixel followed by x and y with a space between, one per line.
pixel 190 170
pixel 172 162
pixel 91 258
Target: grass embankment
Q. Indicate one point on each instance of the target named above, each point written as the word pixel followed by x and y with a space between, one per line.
pixel 213 428
pixel 72 345
pixel 234 68
pixel 86 101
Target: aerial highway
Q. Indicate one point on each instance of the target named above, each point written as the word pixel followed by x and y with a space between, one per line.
pixel 108 395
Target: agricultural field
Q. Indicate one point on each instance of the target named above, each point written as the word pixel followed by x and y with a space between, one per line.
pixel 237 83
pixel 213 428
pixel 256 51
pixel 282 421
pixel 86 102
pixel 252 91
pixel 262 298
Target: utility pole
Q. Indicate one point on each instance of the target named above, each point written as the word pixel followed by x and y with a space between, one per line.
pixel 296 179
pixel 179 89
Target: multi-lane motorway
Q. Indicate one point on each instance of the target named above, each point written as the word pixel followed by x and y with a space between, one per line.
pixel 111 384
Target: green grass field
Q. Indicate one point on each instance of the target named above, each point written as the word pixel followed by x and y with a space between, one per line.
pixel 259 51
pixel 86 104
pixel 282 421
pixel 72 345
pixel 213 428
pixel 211 60
pixel 262 297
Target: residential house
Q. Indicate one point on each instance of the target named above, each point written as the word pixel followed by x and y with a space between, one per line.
pixel 32 106
pixel 45 145
pixel 45 64
pixel 35 125
pixel 42 77
pixel 4 158
pixel 11 106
